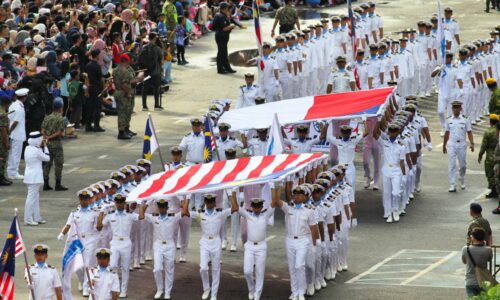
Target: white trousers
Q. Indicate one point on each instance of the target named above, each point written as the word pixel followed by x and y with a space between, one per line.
pixel 121 258
pixel 164 260
pixel 371 151
pixel 350 175
pixel 210 251
pixel 443 109
pixel 343 248
pixel 391 189
pixel 90 246
pixel 296 252
pixel 184 230
pixel 32 205
pixel 255 255
pixel 287 84
pixel 16 149
pixel 456 151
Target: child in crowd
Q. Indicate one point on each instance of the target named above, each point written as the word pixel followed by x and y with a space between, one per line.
pixel 167 64
pixel 76 96
pixel 180 36
pixel 162 27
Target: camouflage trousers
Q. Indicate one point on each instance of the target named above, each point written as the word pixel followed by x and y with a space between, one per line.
pixel 496 170
pixel 124 108
pixel 489 165
pixel 4 157
pixel 56 158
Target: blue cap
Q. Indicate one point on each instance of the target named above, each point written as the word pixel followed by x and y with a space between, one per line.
pixel 58 102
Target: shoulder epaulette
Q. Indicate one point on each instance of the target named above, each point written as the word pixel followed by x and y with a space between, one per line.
pixel 218 209
pixel 52 267
pixel 188 134
pixel 232 138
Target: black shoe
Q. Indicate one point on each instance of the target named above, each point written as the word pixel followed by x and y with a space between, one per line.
pixel 222 72
pixel 492 194
pixel 496 211
pixel 130 132
pixel 231 71
pixel 99 129
pixel 123 136
pixel 60 187
pixel 89 129
pixel 174 60
pixel 185 62
pixel 5 182
pixel 46 185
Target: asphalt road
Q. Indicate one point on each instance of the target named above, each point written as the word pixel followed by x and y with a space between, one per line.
pixel 436 220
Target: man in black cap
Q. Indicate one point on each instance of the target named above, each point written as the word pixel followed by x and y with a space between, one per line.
pixel 257 144
pixel 106 284
pixel 223 27
pixel 479 221
pixel 96 84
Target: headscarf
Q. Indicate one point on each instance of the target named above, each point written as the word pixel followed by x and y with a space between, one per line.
pixel 32 61
pixel 35 139
pixel 12 38
pixel 110 7
pixel 50 60
pixel 128 16
pixel 99 44
pixel 21 36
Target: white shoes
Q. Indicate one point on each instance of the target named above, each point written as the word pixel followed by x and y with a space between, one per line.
pixel 224 244
pixel 205 294
pixel 182 259
pixel 31 223
pixel 158 294
pixel 213 298
pixel 367 182
pixel 122 295
pixel 17 177
pixel 344 267
pixel 375 187
pixel 85 293
pixel 442 133
pixel 389 219
pixel 250 296
pixel 167 297
pixel 411 196
pixel 301 297
pixel 452 188
pixel 233 248
pixel 137 265
pixel 149 257
pixel 80 286
pixel 462 186
pixel 328 274
pixel 317 285
pixel 178 246
pixel 323 283
pixel 396 217
pixel 142 261
pixel 310 289
pixel 418 189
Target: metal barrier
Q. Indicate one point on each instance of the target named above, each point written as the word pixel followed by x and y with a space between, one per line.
pixel 494 266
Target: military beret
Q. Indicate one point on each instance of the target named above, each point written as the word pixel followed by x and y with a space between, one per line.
pixel 41 248
pixel 142 162
pixel 456 103
pixel 257 201
pixel 491 81
pixel 103 252
pixel 196 121
pixel 119 198
pixel 209 197
pixel 494 117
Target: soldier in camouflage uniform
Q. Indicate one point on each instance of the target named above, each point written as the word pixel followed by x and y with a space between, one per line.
pixel 4 139
pixel 488 145
pixel 124 79
pixel 496 168
pixel 494 105
pixel 287 17
pixel 53 130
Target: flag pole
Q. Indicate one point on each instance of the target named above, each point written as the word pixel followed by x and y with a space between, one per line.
pixel 30 280
pixel 213 137
pixel 83 257
pixel 159 149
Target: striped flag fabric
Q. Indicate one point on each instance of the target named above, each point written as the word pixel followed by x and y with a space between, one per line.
pixel 258 35
pixel 19 240
pixel 13 247
pixel 72 259
pixel 209 141
pixel 312 108
pixel 443 89
pixel 218 175
pixel 150 142
pixel 354 42
pixel 275 144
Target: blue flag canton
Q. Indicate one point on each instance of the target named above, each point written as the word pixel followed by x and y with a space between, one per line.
pixel 7 259
pixel 207 150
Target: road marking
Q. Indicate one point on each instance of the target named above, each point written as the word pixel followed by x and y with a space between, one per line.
pixel 102 156
pixel 430 268
pixel 7 199
pixel 370 270
pixel 479 198
pixel 396 272
pixel 72 170
pixel 270 238
pixel 439 145
pixel 406 265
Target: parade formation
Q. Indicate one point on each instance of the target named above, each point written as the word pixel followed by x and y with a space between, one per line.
pixel 116 229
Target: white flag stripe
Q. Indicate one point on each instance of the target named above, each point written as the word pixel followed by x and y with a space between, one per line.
pixel 228 168
pixel 171 182
pixel 254 163
pixel 276 162
pixel 197 177
pixel 298 161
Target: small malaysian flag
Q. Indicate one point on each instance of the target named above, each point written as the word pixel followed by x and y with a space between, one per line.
pixel 13 247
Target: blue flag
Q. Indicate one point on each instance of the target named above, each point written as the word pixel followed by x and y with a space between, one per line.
pixel 207 150
pixel 150 142
pixel 8 264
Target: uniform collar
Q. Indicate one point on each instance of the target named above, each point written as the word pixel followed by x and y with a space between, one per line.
pixel 41 265
pixel 103 269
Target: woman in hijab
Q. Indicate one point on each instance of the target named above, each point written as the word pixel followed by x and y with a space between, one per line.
pixel 105 57
pixel 12 38
pixel 53 68
pixel 128 17
pixel 31 68
pixel 36 153
pixel 21 36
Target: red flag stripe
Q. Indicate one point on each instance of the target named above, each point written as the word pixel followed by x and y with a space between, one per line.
pixel 157 184
pixel 7 286
pixel 291 158
pixel 240 166
pixel 216 168
pixel 266 161
pixel 184 180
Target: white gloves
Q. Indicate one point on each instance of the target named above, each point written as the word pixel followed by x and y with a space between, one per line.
pixel 363 118
pixel 428 147
pixel 241 196
pixel 60 237
pixel 354 223
pixel 276 83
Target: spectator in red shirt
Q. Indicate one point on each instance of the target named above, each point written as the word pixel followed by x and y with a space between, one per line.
pixel 117 47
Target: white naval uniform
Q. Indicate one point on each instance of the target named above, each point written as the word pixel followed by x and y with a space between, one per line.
pixel 270 88
pixel 406 68
pixel 362 70
pixel 33 178
pixel 340 81
pixel 307 71
pixel 346 152
pixel 457 146
pixel 466 74
pixel 193 145
pixel 121 245
pixel 302 146
pixel 227 143
pixel 257 147
pixel 44 280
pixel 447 89
pixel 17 137
pixel 164 231
pixel 255 249
pixel 283 59
pixel 104 282
pixel 210 245
pixel 86 221
pixel 247 95
pixel 393 153
pixel 371 150
pixel 375 70
pixel 297 242
pixel 451 28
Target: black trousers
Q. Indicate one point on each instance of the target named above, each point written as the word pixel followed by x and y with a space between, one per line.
pixel 222 62
pixel 93 107
pixel 285 28
pixel 493 4
pixel 151 84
